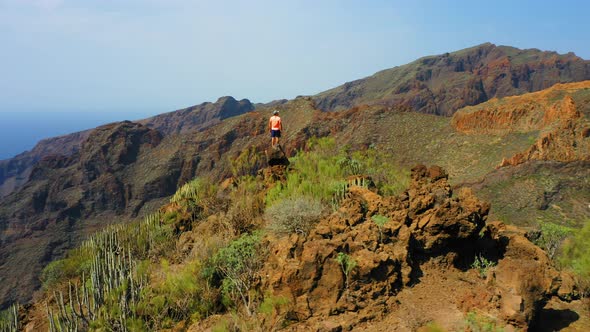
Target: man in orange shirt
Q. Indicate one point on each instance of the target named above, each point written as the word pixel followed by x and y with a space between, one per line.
pixel 275 126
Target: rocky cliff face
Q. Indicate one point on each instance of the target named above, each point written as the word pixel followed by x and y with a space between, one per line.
pixel 198 117
pixel 563 128
pixel 426 246
pixel 15 172
pixel 445 83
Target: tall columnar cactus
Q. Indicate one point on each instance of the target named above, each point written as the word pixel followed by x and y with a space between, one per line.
pixel 112 287
pixel 9 321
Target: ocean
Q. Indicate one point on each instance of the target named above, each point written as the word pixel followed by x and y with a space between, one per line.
pixel 20 131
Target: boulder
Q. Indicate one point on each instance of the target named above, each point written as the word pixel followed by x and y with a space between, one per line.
pixel 276 156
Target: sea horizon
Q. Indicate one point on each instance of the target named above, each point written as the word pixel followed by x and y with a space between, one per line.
pixel 20 131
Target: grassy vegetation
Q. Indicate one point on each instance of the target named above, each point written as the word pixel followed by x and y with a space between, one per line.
pixel 321 172
pixel 9 319
pixel 576 258
pixel 482 265
pixel 477 322
pixel 539 195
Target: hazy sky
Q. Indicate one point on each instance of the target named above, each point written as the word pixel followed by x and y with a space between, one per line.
pixel 135 58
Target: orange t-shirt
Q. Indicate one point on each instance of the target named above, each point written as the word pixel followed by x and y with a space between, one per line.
pixel 275 123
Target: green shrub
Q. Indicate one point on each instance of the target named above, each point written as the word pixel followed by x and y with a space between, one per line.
pixel 197 198
pixel 273 309
pixel 247 163
pixel 349 166
pixel 551 238
pixel 347 264
pixel 78 261
pixel 380 221
pixel 238 264
pixel 294 215
pixel 179 294
pixel 189 190
pixel 482 265
pixel 431 327
pixel 576 257
pixel 478 323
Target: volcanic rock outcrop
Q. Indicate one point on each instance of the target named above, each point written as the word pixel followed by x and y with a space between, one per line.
pixel 431 230
pixel 564 131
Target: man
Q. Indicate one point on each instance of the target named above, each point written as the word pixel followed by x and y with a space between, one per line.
pixel 274 127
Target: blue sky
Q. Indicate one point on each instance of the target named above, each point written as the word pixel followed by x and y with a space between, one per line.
pixel 126 59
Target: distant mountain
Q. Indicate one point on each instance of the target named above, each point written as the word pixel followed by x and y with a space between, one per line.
pixel 442 84
pixel 14 172
pixel 198 117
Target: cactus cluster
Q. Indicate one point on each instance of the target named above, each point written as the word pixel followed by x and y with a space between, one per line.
pixel 189 191
pixel 113 285
pixel 350 166
pixel 9 319
pixel 341 190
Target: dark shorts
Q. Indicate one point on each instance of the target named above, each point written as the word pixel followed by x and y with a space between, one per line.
pixel 275 133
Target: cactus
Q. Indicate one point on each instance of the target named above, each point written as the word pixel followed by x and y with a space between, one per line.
pixel 349 165
pixel 189 191
pixel 9 319
pixel 111 285
pixel 340 193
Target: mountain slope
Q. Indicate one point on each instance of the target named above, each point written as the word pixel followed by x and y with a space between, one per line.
pixel 15 172
pixel 442 84
pixel 120 171
pixel 123 170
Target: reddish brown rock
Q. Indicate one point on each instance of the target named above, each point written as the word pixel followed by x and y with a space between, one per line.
pixel 430 229
pixel 524 278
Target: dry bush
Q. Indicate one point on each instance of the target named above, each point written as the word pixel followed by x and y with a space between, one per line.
pixel 294 215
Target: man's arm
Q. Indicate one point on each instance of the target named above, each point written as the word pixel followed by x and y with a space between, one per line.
pixel 269 126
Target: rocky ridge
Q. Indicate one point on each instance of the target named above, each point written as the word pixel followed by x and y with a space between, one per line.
pixel 442 84
pixel 14 173
pixel 431 231
pixel 564 130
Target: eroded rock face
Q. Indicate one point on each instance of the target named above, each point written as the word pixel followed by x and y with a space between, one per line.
pixel 524 278
pixel 563 131
pixel 427 222
pixel 570 142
